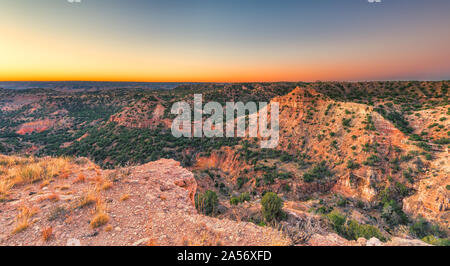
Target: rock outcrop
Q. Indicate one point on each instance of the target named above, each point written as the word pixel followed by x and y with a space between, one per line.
pixel 36 126
pixel 175 221
pixel 432 197
pixel 142 115
pixel 336 240
pixel 150 204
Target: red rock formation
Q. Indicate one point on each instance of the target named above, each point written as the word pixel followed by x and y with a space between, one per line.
pixel 138 117
pixel 35 126
pixel 432 198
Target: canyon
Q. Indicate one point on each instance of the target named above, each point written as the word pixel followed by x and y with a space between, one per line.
pixel 373 154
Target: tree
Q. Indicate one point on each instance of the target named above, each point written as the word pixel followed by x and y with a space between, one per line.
pixel 271 207
pixel 207 203
pixel 337 221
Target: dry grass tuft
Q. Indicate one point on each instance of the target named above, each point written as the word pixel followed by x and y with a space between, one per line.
pixel 124 197
pixel 5 186
pixel 57 213
pixel 106 185
pixel 80 179
pixel 64 187
pixel 205 237
pixel 17 171
pixel 53 197
pixel 44 183
pixel 151 243
pixel 101 217
pixel 87 199
pixel 279 238
pixel 23 218
pixel 99 220
pixel 58 167
pixel 47 233
pixel 65 174
pixel 28 174
pixel 10 161
pixel 80 161
pixel 97 180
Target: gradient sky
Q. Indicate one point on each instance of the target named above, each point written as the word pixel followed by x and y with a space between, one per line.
pixel 224 40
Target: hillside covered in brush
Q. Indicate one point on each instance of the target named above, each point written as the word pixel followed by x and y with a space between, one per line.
pixel 350 154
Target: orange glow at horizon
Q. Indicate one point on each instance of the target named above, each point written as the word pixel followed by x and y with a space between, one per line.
pixel 28 53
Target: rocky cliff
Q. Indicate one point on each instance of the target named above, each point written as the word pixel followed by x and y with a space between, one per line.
pixel 151 204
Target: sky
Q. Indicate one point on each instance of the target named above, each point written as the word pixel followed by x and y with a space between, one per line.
pixel 224 40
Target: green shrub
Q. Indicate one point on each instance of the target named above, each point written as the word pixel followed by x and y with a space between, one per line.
pixel 351 229
pixel 319 171
pixel 207 203
pixel 241 181
pixel 337 220
pixel 372 160
pixel 442 141
pixel 408 175
pixel 423 145
pixel 370 126
pixel 342 202
pixel 433 125
pixel 346 122
pixel 234 201
pixel 392 213
pixel 360 204
pixel 399 121
pixel 244 197
pixel 323 209
pixel 402 189
pixel 271 207
pixel 432 240
pixel 428 156
pixel 352 164
pixel 421 228
pixel 415 137
pixel 286 188
pixel 224 189
pixel 269 178
pixel 328 109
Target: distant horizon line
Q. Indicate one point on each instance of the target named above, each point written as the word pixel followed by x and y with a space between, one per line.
pixel 219 82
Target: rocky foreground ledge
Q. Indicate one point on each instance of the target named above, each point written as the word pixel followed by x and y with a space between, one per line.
pixel 151 204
